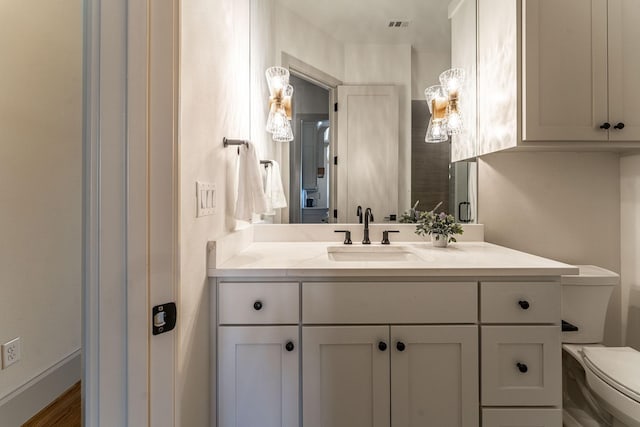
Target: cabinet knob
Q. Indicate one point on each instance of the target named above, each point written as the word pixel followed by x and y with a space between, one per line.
pixel 289 346
pixel 524 304
pixel 400 346
pixel 605 125
pixel 619 126
pixel 257 305
pixel 522 367
pixel 382 346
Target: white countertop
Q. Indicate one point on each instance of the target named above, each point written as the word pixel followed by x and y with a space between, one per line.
pixel 461 259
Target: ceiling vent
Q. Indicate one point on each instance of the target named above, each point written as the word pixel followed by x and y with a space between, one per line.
pixel 398 24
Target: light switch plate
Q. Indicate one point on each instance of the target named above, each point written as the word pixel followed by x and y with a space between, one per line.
pixel 205 198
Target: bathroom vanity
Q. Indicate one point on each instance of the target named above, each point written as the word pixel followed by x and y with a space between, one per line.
pixel 468 335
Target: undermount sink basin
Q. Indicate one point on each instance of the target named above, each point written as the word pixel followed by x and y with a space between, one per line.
pixel 376 253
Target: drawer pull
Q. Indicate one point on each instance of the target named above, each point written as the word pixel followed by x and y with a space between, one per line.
pixel 382 346
pixel 522 367
pixel 257 305
pixel 524 304
pixel 400 346
pixel 289 346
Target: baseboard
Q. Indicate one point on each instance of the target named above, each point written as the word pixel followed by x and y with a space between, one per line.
pixel 22 404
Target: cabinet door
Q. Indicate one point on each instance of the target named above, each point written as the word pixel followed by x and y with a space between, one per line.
pixel 258 376
pixel 498 67
pixel 521 366
pixel 464 55
pixel 345 376
pixel 565 70
pixel 434 376
pixel 624 69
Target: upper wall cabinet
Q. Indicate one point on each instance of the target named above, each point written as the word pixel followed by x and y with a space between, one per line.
pixel 558 73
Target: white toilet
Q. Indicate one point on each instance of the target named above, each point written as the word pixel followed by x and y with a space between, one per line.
pixel 601 385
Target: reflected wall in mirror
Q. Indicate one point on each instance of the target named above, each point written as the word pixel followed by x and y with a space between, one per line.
pixel 360 69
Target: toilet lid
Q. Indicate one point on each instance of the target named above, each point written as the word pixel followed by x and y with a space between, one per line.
pixel 617 366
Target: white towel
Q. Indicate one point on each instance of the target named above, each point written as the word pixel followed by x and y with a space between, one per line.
pixel 273 188
pixel 251 198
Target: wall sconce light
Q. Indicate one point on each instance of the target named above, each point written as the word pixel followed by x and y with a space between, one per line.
pixel 279 104
pixel 446 118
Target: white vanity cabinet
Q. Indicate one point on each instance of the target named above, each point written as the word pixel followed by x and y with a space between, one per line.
pixel 520 354
pixel 258 354
pixel 558 73
pixel 399 353
pixel 371 376
pixel 404 373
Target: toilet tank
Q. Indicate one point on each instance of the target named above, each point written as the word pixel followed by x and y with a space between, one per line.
pixel 585 298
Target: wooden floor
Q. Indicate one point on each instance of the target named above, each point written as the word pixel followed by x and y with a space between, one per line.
pixel 65 411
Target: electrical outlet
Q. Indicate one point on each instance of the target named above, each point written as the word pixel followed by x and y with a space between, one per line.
pixel 205 198
pixel 10 352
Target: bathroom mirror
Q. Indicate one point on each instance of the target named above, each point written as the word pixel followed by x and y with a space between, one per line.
pixel 359 71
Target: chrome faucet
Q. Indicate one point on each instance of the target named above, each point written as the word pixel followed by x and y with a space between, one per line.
pixel 368 215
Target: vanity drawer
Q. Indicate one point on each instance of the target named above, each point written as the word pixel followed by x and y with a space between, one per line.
pixel 258 303
pixel 499 417
pixel 520 302
pixel 521 366
pixel 389 302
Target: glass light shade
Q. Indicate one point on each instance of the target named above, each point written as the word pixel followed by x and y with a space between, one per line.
pixel 277 79
pixel 437 131
pixel 277 119
pixel 452 81
pixel 284 133
pixel 286 100
pixel 436 98
pixel 454 121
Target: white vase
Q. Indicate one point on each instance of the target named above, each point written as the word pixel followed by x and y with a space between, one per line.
pixel 439 241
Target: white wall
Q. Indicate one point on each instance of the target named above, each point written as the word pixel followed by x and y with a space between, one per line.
pixel 214 103
pixel 299 37
pixel 263 56
pixel 564 206
pixel 426 66
pixel 387 64
pixel 40 183
pixel 630 247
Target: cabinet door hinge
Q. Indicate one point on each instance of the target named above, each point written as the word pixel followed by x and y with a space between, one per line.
pixel 335 107
pixel 335 213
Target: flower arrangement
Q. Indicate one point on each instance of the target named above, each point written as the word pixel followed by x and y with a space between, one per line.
pixel 441 226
